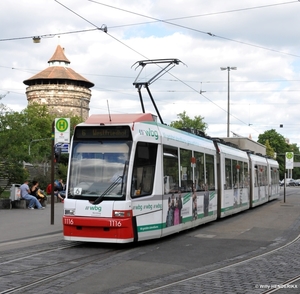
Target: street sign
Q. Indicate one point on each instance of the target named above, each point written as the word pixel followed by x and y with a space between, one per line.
pixel 65 148
pixel 62 130
pixel 62 148
pixel 289 160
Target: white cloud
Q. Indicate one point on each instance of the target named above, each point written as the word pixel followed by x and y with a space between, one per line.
pixel 263 90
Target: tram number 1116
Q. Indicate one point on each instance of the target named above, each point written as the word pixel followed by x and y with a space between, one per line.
pixel 114 223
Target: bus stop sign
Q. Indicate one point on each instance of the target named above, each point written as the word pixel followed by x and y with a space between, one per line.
pixel 62 130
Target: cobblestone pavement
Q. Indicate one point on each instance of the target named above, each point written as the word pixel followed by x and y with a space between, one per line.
pixel 219 257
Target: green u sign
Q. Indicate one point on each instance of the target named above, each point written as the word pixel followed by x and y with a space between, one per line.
pixel 62 125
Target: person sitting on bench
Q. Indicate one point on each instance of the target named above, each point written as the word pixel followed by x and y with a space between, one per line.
pixel 32 200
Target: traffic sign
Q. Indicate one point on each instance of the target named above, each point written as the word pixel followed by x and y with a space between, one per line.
pixel 62 148
pixel 65 148
pixel 62 130
pixel 289 160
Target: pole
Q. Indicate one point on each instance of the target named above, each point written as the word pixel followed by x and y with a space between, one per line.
pixel 284 188
pixel 228 68
pixel 228 103
pixel 52 175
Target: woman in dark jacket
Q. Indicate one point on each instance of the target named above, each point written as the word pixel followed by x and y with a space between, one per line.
pixel 35 191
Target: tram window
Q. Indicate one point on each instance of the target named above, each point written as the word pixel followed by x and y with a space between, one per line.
pixel 143 152
pixel 94 166
pixel 200 179
pixel 235 174
pixel 210 171
pixel 256 177
pixel 143 169
pixel 228 174
pixel 186 173
pixel 260 175
pixel 274 175
pixel 265 176
pixel 245 175
pixel 171 171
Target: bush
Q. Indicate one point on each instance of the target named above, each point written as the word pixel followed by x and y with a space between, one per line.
pixel 5 194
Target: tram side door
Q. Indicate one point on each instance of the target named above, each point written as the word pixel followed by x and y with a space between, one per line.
pixel 146 197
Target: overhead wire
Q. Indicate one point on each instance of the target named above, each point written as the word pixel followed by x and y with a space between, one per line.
pixel 203 32
pixel 168 21
pixel 201 93
pixel 193 16
pixel 49 35
pixel 171 23
pixel 80 16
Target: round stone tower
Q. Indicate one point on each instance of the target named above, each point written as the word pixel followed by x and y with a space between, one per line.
pixel 63 90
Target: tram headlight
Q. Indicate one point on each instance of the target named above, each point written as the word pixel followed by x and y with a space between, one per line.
pixel 70 211
pixel 122 213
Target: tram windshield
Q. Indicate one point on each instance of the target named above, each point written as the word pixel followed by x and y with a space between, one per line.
pixel 98 169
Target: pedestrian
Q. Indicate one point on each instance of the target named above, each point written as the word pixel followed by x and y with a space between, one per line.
pixel 32 200
pixel 36 192
pixel 59 188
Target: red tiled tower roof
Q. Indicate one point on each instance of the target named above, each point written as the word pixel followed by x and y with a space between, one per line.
pixel 58 70
pixel 59 55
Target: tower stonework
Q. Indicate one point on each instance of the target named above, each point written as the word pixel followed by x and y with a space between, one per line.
pixel 60 88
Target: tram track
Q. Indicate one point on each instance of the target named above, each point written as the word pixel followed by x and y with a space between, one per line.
pixel 18 254
pixel 60 264
pixel 257 287
pixel 38 268
pixel 42 280
pixel 35 272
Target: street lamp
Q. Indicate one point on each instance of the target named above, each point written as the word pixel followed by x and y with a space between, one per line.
pixel 36 141
pixel 228 68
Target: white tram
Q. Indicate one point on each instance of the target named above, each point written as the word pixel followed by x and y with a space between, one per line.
pixel 131 178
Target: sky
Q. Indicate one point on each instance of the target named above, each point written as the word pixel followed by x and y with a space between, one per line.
pixel 261 38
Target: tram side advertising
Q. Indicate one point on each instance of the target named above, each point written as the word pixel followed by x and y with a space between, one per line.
pixel 131 179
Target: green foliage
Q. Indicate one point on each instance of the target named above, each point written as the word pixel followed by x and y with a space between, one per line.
pixel 269 150
pixel 186 122
pixel 26 136
pixel 276 143
pixel 4 194
pixel 62 172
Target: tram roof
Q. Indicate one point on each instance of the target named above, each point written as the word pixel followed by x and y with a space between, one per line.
pixel 120 118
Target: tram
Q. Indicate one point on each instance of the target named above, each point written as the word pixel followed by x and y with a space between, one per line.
pixel 131 179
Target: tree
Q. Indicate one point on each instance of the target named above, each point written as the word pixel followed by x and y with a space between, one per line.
pixel 279 145
pixel 186 122
pixel 26 137
pixel 276 140
pixel 17 130
pixel 11 162
pixel 269 150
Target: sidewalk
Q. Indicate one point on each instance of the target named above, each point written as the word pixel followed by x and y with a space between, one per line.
pixel 18 224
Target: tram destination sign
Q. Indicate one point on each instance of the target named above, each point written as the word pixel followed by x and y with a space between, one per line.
pixel 83 132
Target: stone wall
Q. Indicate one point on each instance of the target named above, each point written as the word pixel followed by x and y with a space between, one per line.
pixel 61 99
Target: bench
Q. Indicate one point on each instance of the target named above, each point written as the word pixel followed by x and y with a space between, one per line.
pixel 16 201
pixel 20 203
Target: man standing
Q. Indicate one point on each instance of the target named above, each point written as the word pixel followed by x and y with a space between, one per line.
pixel 32 200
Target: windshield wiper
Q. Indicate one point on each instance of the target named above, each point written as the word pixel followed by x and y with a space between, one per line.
pixel 111 187
pixel 114 184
